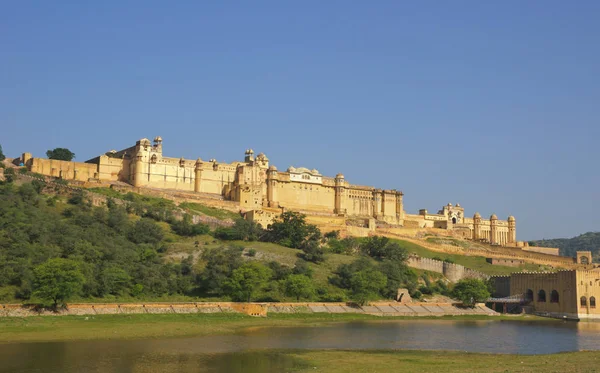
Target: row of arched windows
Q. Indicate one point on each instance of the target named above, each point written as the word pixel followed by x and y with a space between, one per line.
pixel 583 302
pixel 541 296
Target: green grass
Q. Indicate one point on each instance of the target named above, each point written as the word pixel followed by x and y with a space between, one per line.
pixel 134 197
pixel 447 241
pixel 64 328
pixel 441 361
pixel 477 263
pixel 209 210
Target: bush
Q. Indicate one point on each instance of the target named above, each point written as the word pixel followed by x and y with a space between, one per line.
pixel 186 228
pixel 252 252
pixel 470 291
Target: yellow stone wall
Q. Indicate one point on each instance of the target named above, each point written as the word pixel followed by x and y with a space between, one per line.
pixel 63 169
pixel 578 292
pixel 255 185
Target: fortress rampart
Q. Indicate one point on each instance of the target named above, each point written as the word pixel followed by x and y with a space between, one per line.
pixel 453 272
pixel 255 185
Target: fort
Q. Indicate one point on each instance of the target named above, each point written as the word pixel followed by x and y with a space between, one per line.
pixel 262 192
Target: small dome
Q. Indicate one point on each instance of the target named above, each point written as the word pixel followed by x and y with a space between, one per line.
pixel 199 160
pixel 339 176
pixel 272 168
pixel 158 139
pixel 493 217
pixel 477 215
pixel 458 205
pixel 250 151
pixel 449 204
pixel 511 218
pixel 144 141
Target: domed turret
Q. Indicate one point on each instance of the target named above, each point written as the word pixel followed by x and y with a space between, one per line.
pixel 493 217
pixel 477 216
pixel 511 218
pixel 339 176
pixel 272 168
pixel 158 139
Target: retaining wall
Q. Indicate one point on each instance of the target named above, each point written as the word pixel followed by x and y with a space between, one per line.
pixel 253 309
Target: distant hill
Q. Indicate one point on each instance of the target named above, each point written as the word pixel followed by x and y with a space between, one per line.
pixel 568 246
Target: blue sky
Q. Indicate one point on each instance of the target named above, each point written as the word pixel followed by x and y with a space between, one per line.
pixel 494 105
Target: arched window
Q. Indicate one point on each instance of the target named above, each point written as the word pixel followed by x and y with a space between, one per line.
pixel 583 302
pixel 592 302
pixel 541 296
pixel 585 260
pixel 529 295
pixel 554 296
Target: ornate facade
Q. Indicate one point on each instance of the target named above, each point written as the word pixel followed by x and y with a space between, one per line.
pixel 260 188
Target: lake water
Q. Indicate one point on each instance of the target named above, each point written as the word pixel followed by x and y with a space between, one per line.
pixel 227 353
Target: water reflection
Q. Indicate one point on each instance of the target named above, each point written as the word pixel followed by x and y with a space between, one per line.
pixel 226 353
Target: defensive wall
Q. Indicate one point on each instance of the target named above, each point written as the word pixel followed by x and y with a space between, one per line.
pixel 252 309
pixel 453 272
pixel 505 262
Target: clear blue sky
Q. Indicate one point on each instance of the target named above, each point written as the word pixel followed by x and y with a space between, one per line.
pixel 492 104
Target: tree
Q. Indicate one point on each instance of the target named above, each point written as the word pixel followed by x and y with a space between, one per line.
pixel 2 156
pixel 299 286
pixel 9 175
pixel 62 154
pixel 470 291
pixel 312 252
pixel 145 231
pixel 57 280
pixel 247 280
pixel 399 275
pixel 291 230
pixel 367 285
pixel 220 264
pixel 186 227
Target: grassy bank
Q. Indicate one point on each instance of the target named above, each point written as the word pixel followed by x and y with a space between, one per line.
pixel 65 328
pixel 438 361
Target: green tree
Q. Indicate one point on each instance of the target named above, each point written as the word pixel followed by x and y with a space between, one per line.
pixel 9 174
pixel 470 291
pixel 62 154
pixel 312 252
pixel 186 227
pixel 399 275
pixel 247 280
pixel 299 286
pixel 220 264
pixel 291 230
pixel 145 231
pixel 367 285
pixel 2 156
pixel 57 280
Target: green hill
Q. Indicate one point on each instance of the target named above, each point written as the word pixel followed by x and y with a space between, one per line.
pixel 589 241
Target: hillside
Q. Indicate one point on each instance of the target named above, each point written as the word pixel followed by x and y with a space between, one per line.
pixel 569 246
pixel 130 247
pixel 142 248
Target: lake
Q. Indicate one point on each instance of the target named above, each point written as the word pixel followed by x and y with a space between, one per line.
pixel 223 353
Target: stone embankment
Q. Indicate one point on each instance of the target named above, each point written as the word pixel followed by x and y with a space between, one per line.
pixel 253 309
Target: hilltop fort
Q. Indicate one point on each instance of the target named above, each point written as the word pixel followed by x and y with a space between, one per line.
pixel 262 191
